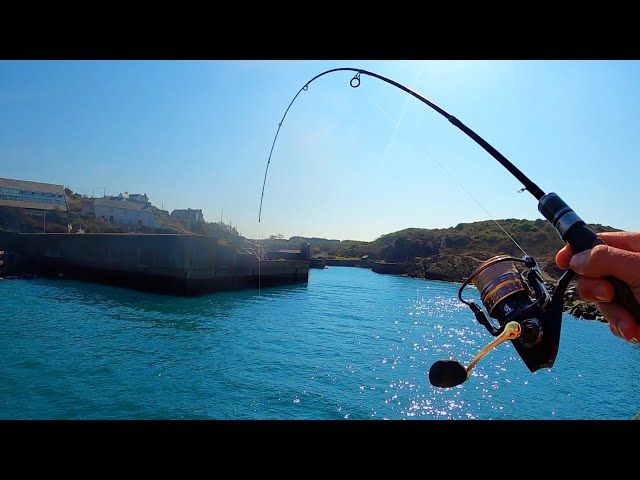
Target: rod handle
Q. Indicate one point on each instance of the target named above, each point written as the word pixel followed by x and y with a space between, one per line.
pixel 574 231
pixel 581 238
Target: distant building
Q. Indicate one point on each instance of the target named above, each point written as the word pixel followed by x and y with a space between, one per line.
pixel 25 194
pixel 188 215
pixel 123 212
pixel 132 197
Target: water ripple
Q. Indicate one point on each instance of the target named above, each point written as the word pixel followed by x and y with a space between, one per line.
pixel 351 344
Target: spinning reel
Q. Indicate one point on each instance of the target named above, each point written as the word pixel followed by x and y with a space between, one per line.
pixel 525 312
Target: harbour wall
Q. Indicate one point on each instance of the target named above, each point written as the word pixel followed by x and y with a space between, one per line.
pixel 175 264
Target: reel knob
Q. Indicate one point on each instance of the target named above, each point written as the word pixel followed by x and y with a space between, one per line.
pixel 447 374
pixel 450 373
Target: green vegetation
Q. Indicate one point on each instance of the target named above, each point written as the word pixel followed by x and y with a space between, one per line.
pixel 451 253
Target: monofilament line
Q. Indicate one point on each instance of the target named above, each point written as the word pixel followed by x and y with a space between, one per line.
pixel 477 202
pixel 397 125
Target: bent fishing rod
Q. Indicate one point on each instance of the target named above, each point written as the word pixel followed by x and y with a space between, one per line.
pixel 523 311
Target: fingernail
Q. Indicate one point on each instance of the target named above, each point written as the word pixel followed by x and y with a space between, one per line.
pixel 613 325
pixel 601 293
pixel 622 326
pixel 578 260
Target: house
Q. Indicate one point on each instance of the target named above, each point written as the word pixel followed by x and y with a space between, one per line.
pixel 26 194
pixel 132 197
pixel 123 212
pixel 188 215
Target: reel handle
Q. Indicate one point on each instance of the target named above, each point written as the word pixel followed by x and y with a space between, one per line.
pixel 450 373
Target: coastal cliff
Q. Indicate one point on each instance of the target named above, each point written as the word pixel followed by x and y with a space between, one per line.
pixel 454 268
pixel 452 254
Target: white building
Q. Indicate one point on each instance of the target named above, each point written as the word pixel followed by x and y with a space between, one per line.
pixel 25 194
pixel 124 212
pixel 133 197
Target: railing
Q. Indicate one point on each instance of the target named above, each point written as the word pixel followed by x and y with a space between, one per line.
pixel 34 199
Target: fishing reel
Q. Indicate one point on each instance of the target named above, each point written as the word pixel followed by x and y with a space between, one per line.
pixel 523 312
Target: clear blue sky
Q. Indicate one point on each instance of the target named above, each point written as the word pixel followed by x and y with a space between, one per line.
pixel 348 163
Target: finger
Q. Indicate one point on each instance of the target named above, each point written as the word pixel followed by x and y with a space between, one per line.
pixel 605 260
pixel 621 322
pixel 564 256
pixel 624 240
pixel 596 289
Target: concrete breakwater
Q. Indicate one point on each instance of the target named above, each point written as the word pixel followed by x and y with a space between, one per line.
pixel 174 264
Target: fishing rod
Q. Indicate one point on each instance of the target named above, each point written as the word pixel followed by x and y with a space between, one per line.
pixel 526 313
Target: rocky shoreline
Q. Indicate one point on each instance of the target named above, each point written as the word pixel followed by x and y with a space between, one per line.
pixel 455 268
pixel 575 306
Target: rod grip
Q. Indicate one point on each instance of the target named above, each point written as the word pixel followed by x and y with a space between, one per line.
pixel 573 230
pixel 581 238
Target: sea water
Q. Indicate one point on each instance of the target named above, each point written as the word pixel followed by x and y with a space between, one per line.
pixel 350 344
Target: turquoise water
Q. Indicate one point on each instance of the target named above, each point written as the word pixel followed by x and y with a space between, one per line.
pixel 351 344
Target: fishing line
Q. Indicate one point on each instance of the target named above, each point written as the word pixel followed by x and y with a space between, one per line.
pixel 259 271
pixel 477 202
pixel 396 124
pixel 459 183
pixel 355 83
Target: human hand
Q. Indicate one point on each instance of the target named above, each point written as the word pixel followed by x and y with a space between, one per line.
pixel 620 258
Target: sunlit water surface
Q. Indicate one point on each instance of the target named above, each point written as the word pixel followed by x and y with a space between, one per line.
pixel 350 344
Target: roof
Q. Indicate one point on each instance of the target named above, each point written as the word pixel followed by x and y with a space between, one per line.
pixel 34 186
pixel 129 195
pixel 103 202
pixel 56 200
pixel 186 210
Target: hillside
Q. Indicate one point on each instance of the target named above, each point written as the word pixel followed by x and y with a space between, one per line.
pixel 35 221
pixel 452 253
